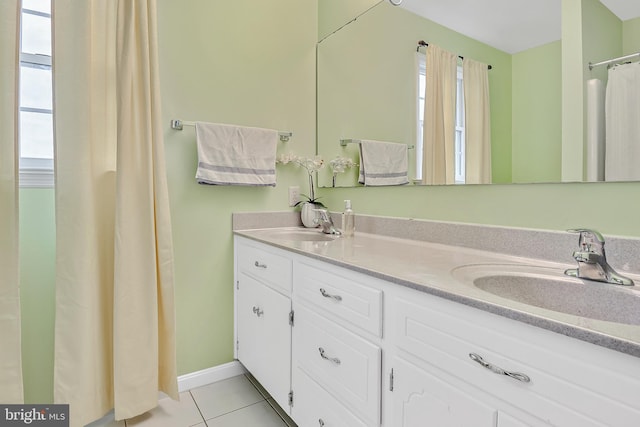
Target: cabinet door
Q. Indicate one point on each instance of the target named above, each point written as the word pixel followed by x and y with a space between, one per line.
pixel 264 336
pixel 344 364
pixel 421 399
pixel 313 406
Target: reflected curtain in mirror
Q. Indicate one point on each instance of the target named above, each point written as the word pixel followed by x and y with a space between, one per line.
pixel 11 389
pixel 622 158
pixel 439 116
pixel 477 122
pixel 115 321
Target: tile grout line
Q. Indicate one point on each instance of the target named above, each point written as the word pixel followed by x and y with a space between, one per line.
pixel 286 423
pixel 268 399
pixel 198 408
pixel 235 410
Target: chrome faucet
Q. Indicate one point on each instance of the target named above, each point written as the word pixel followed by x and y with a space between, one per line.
pixel 325 221
pixel 592 260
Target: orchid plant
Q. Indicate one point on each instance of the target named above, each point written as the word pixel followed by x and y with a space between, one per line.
pixel 339 165
pixel 312 166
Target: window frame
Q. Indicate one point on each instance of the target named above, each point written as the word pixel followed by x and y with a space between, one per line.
pixel 35 172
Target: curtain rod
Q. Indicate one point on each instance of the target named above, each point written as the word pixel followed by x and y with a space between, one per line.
pixel 423 43
pixel 611 61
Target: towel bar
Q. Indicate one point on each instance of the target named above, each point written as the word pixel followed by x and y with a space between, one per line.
pixel 344 142
pixel 177 124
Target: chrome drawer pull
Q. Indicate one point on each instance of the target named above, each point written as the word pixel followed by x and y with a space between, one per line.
pixel 257 311
pixel 259 265
pixel 330 359
pixel 328 295
pixel 495 369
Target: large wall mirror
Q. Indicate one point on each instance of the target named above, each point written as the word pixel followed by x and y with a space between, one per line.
pixel 368 85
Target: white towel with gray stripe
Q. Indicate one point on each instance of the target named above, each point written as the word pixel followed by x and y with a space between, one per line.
pixel 383 163
pixel 236 155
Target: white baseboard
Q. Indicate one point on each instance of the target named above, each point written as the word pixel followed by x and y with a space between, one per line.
pixel 210 375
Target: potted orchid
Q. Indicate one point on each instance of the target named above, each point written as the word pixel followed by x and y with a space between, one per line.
pixel 339 165
pixel 307 206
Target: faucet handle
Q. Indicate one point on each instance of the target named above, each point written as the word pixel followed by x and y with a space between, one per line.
pixel 590 240
pixel 324 214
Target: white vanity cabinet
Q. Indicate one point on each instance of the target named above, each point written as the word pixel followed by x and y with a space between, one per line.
pixel 366 352
pixel 454 358
pixel 263 308
pixel 423 398
pixel 337 355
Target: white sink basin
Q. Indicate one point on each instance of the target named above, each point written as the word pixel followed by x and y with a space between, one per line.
pixel 550 289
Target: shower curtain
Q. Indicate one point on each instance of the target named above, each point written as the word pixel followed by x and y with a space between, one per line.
pixel 477 122
pixel 115 327
pixel 10 354
pixel 622 158
pixel 439 117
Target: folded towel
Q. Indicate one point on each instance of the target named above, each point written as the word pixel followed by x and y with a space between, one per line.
pixel 236 155
pixel 383 163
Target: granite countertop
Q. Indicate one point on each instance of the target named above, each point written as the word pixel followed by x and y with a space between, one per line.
pixel 440 270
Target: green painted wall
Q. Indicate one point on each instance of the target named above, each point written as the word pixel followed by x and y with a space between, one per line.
pixel 37 292
pixel 333 14
pixel 537 114
pixel 538 206
pixel 241 62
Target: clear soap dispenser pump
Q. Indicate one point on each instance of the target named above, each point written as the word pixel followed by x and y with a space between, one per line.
pixel 348 220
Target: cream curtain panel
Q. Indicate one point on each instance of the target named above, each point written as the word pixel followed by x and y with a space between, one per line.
pixel 622 113
pixel 439 117
pixel 477 114
pixel 10 355
pixel 115 321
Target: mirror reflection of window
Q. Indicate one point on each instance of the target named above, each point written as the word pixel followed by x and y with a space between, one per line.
pixel 36 105
pixel 459 150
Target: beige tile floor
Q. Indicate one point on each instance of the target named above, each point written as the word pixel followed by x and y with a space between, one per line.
pixel 236 402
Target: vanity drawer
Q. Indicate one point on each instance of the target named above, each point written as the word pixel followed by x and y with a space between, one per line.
pixel 346 298
pixel 347 366
pixel 313 406
pixel 265 264
pixel 564 387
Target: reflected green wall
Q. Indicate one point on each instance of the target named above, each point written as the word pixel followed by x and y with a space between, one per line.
pixel 631 36
pixel 367 86
pixel 537 100
pixel 590 33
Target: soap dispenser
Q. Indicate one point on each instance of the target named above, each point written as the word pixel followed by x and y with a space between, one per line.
pixel 348 220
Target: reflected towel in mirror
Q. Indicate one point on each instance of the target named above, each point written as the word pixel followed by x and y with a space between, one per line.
pixel 383 163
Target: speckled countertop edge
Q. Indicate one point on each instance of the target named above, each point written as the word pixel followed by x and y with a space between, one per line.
pixel 243 227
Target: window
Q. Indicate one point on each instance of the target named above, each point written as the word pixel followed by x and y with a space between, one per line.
pixel 36 100
pixel 459 149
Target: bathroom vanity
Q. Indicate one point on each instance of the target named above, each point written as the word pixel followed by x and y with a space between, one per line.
pixel 378 330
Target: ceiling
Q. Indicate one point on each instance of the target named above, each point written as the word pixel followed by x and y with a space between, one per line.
pixel 508 25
